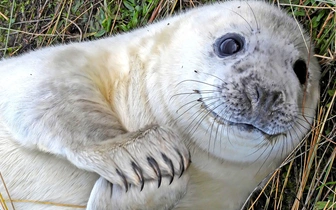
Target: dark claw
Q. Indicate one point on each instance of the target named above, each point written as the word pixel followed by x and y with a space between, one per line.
pixel 124 178
pixel 189 159
pixel 156 169
pixel 182 163
pixel 170 163
pixel 111 188
pixel 138 172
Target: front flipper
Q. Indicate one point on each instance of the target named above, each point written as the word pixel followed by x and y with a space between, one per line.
pixel 66 106
pixel 133 158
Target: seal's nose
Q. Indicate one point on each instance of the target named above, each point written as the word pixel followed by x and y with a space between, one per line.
pixel 264 99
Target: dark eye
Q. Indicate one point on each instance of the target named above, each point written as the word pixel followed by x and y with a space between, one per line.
pixel 229 44
pixel 300 69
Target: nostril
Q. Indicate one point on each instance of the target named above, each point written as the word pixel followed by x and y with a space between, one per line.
pixel 275 97
pixel 254 94
pixel 262 98
pixel 259 92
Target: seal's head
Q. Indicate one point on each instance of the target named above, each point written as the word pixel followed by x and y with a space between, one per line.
pixel 252 80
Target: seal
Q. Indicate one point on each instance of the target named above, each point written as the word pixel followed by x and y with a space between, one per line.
pixel 114 123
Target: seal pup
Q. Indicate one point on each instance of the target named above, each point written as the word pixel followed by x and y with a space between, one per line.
pixel 114 123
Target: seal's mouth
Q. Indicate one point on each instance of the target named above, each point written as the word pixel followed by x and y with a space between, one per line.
pixel 250 128
pixel 241 126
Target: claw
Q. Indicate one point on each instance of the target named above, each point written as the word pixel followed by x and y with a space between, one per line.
pixel 111 188
pixel 182 162
pixel 170 163
pixel 124 178
pixel 137 170
pixel 189 159
pixel 152 162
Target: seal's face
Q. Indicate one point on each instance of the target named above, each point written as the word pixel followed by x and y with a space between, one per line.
pixel 259 86
pixel 256 97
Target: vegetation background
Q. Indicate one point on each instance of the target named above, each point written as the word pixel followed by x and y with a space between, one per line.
pixel 306 180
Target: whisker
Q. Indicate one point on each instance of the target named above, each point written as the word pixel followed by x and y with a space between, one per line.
pixel 207 91
pixel 284 146
pixel 243 19
pixel 220 79
pixel 306 116
pixel 291 138
pixel 182 94
pixel 304 107
pixel 196 125
pixel 194 101
pixel 205 114
pixel 212 125
pixel 197 81
pixel 195 92
pixel 198 113
pixel 222 126
pixel 266 159
pixel 255 18
pixel 301 126
pixel 258 148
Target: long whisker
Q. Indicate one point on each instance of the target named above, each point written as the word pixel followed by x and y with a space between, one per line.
pixel 220 79
pixel 243 19
pixel 182 94
pixel 192 80
pixel 206 114
pixel 211 128
pixel 186 104
pixel 266 159
pixel 255 18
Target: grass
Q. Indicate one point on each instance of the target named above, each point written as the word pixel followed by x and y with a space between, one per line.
pixel 306 180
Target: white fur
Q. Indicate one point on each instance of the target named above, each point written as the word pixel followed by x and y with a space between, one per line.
pixel 71 115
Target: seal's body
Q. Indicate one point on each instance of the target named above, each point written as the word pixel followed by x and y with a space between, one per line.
pixel 221 85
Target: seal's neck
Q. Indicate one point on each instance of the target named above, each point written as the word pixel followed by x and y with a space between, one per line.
pixel 220 184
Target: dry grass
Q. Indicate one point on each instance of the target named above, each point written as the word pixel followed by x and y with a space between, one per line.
pixel 306 180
